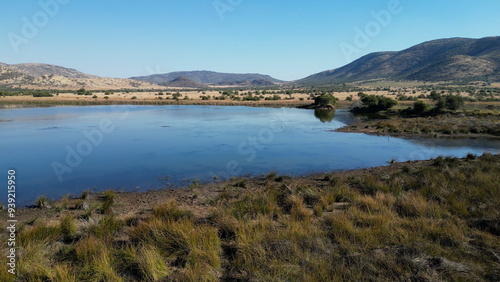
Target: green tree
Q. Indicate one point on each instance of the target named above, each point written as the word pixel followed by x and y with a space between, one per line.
pixel 385 103
pixel 454 102
pixel 435 96
pixel 81 91
pixel 374 103
pixel 420 107
pixel 325 100
pixel 440 105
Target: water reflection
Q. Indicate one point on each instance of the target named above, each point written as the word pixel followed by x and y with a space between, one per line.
pixel 324 115
pixel 186 142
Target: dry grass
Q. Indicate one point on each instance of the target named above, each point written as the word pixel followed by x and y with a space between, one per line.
pixel 426 221
pixel 462 124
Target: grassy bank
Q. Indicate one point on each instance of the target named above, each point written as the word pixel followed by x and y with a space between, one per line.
pixel 471 122
pixel 427 220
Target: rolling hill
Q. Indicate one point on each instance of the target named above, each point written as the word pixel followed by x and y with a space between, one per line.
pixel 183 82
pixel 206 77
pixel 45 76
pixel 454 59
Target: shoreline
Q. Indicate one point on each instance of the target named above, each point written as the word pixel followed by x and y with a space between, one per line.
pixel 48 103
pixel 181 192
pixel 370 131
pixel 419 219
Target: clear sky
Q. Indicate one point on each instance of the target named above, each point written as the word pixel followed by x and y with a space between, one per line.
pixel 285 39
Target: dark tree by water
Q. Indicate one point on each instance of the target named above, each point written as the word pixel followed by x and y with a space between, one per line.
pixel 325 100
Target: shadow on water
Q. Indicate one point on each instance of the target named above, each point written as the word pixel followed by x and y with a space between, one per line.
pixel 324 115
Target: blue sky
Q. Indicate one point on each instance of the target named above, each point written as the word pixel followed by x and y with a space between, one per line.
pixel 285 39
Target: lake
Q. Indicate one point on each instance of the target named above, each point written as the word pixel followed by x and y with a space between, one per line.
pixel 61 150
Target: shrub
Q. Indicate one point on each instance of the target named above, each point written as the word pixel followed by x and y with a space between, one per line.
pixel 374 103
pixel 251 98
pixel 435 96
pixel 42 94
pixel 325 100
pixel 454 102
pixel 274 98
pixel 440 105
pixel 420 107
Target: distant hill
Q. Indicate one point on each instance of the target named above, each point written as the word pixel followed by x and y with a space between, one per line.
pixel 206 77
pixel 183 81
pixel 45 76
pixel 454 59
pixel 253 83
pixel 37 70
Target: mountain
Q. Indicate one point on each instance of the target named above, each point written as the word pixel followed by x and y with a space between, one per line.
pixel 251 83
pixel 454 59
pixel 206 77
pixel 45 76
pixel 183 81
pixel 37 70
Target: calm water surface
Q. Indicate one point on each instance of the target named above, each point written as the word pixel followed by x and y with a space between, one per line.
pixel 61 150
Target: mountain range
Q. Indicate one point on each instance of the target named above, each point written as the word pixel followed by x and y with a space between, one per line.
pixel 209 77
pixel 454 59
pixel 443 60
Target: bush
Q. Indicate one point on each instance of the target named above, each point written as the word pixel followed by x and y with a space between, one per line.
pixel 374 103
pixel 134 97
pixel 453 102
pixel 82 91
pixel 440 105
pixel 274 98
pixel 251 98
pixel 435 96
pixel 325 100
pixel 420 107
pixel 176 96
pixel 42 94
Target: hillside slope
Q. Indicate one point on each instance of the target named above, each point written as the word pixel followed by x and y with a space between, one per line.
pixel 45 76
pixel 454 59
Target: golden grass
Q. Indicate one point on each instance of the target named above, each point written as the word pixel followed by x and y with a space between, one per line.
pixel 434 220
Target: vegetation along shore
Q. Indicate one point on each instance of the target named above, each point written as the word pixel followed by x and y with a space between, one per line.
pixel 422 220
